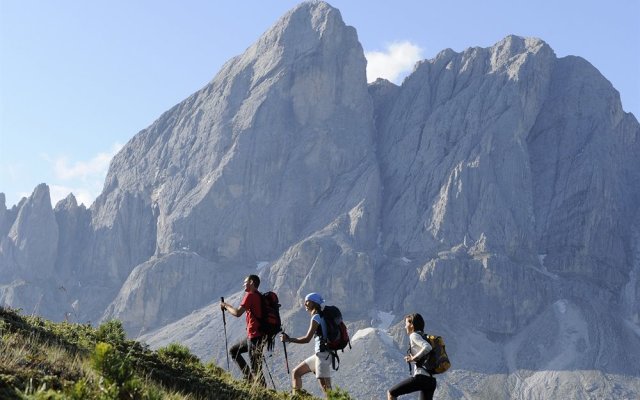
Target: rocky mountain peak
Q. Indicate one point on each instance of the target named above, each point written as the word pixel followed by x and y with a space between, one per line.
pixel 512 51
pixel 68 203
pixel 298 94
pixel 37 209
pixel 33 237
pixel 298 29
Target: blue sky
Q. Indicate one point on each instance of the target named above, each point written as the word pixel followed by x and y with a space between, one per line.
pixel 78 79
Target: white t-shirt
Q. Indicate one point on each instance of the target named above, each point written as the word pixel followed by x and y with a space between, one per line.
pixel 419 348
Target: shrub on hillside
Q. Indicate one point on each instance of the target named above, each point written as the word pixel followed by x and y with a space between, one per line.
pixel 111 332
pixel 339 394
pixel 178 352
pixel 117 371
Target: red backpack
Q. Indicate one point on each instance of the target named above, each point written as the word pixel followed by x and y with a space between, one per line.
pixel 270 322
pixel 337 336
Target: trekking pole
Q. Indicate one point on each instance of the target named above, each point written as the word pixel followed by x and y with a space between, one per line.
pixel 268 371
pixel 226 344
pixel 286 359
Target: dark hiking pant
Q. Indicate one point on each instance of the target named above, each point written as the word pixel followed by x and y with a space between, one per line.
pixel 254 347
pixel 426 385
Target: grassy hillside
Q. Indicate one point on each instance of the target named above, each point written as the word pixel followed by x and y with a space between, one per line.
pixel 40 359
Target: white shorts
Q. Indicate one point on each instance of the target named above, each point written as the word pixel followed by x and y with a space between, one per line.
pixel 320 364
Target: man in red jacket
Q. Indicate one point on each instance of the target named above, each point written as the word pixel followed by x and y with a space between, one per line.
pixel 251 304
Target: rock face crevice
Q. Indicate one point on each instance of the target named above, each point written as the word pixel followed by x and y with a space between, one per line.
pixel 495 191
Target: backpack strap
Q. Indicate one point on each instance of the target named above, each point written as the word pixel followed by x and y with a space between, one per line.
pixel 420 363
pixel 426 337
pixel 335 359
pixel 323 337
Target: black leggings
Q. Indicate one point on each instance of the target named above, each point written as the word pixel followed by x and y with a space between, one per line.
pixel 254 348
pixel 423 383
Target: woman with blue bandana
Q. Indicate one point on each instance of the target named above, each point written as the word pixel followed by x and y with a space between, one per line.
pixel 320 362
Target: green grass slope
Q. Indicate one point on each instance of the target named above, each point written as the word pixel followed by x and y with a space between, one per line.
pixel 40 359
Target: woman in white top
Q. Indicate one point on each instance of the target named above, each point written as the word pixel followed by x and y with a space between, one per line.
pixel 320 362
pixel 420 380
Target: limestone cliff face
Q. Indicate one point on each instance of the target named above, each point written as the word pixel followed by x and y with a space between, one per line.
pixel 583 151
pixel 166 288
pixel 460 119
pixel 458 198
pixel 74 233
pixel 489 185
pixel 496 191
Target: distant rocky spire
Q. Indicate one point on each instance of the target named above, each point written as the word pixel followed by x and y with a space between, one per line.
pixel 34 235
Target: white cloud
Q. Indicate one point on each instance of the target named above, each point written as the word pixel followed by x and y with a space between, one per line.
pixel 82 178
pixel 394 63
pixel 84 169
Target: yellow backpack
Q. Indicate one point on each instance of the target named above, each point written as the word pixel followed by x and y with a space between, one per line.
pixel 437 360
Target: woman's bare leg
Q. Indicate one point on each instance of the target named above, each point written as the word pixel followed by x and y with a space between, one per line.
pixel 298 372
pixel 325 384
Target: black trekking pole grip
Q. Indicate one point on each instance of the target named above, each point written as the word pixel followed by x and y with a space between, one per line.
pixel 224 319
pixel 226 344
